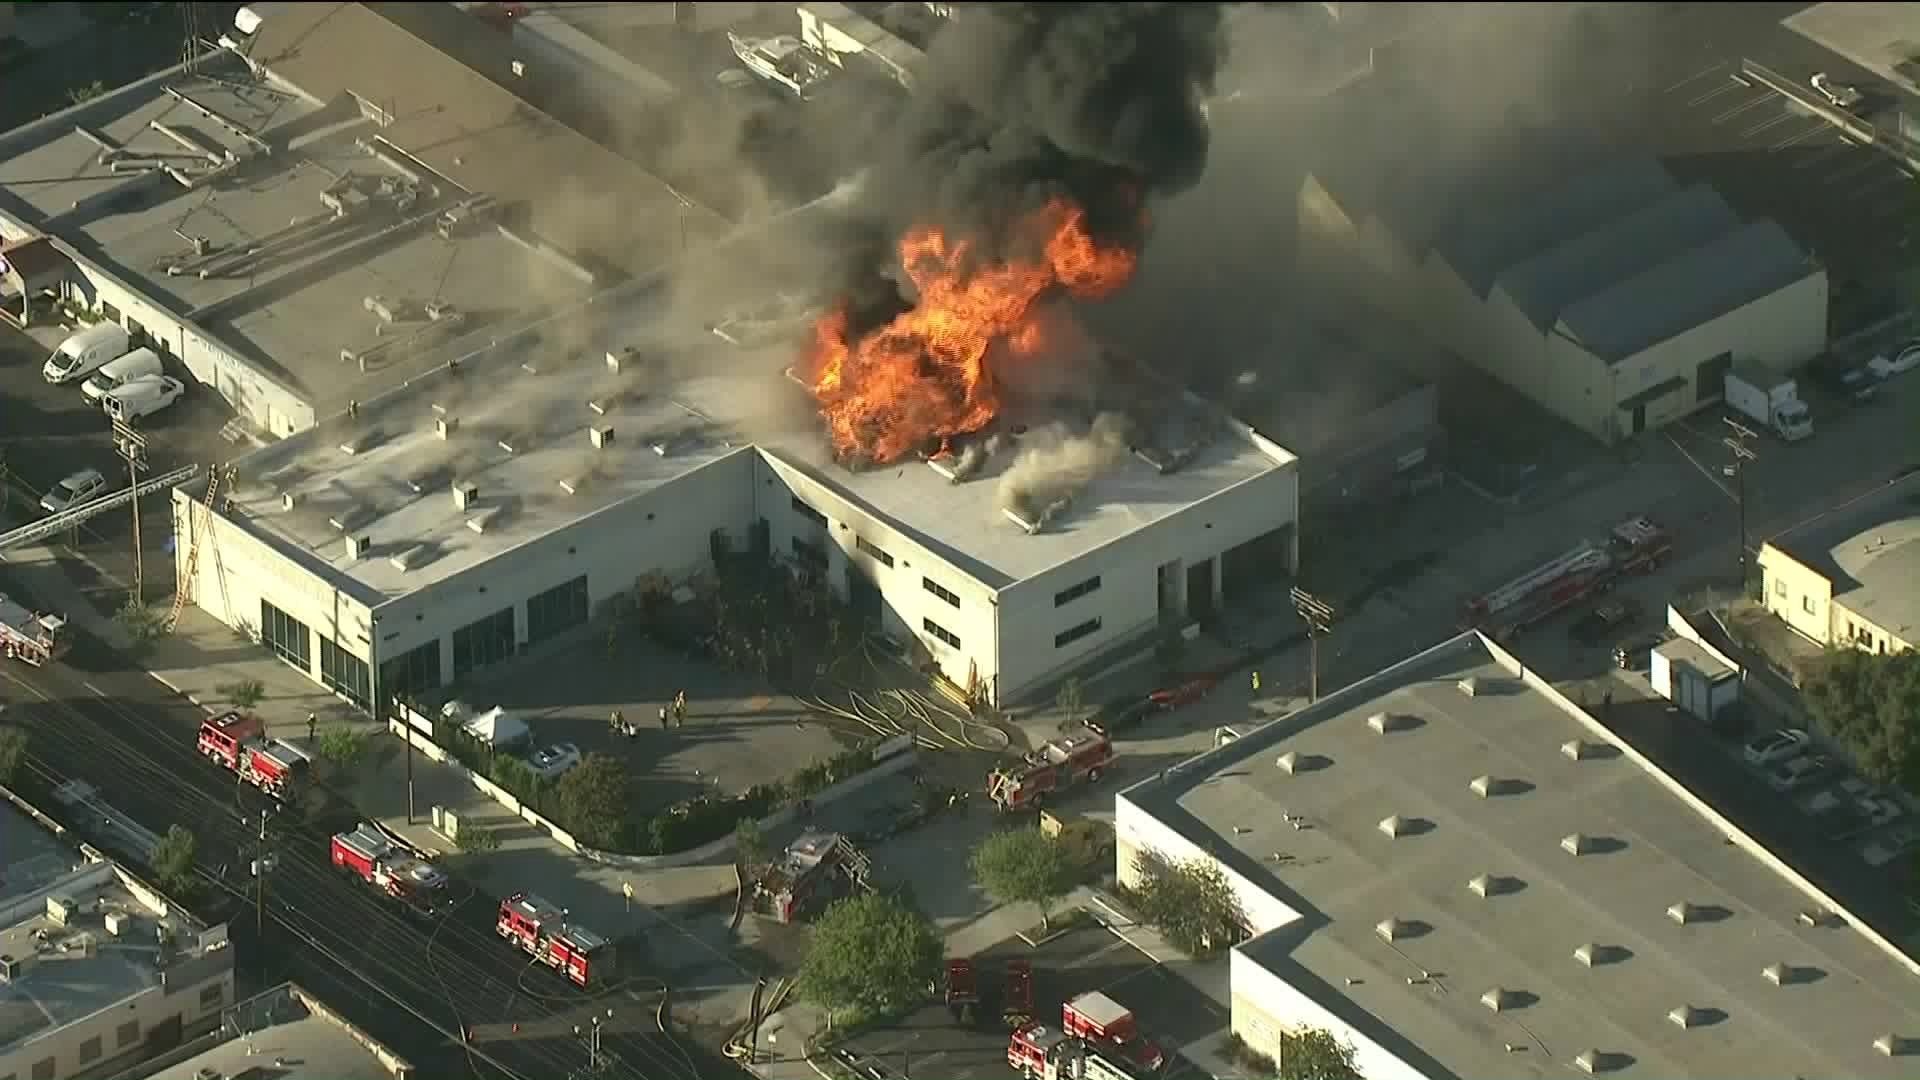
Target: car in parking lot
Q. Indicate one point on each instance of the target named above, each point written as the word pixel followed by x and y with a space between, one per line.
pixel 1838 94
pixel 1797 772
pixel 550 762
pixel 74 490
pixel 1606 617
pixel 1774 746
pixel 1896 842
pixel 1844 378
pixel 1886 366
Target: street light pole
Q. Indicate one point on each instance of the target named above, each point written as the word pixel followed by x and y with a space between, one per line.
pixel 1318 615
pixel 1736 441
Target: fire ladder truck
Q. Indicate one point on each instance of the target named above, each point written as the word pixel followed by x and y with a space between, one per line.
pixel 1634 546
pixel 1060 764
pixel 582 956
pixel 30 636
pixel 1040 1052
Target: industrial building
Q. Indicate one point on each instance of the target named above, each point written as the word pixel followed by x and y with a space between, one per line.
pixel 97 971
pixel 1458 871
pixel 498 502
pixel 1589 279
pixel 293 1030
pixel 299 227
pixel 1848 577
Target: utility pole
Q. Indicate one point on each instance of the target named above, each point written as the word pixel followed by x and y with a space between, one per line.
pixel 133 447
pixel 1736 441
pixel 1318 615
pixel 262 863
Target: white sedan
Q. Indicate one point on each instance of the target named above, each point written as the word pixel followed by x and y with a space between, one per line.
pixel 1908 358
pixel 1775 746
pixel 74 490
pixel 550 762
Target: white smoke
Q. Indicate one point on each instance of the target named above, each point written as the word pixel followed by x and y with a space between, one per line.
pixel 1055 463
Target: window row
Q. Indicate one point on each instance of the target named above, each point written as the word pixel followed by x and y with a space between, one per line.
pixel 940 591
pixel 805 510
pixel 874 550
pixel 1069 595
pixel 558 610
pixel 1074 633
pixel 952 639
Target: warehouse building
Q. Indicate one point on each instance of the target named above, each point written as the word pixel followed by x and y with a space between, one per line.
pixel 1458 871
pixel 293 239
pixel 296 1031
pixel 498 502
pixel 1589 280
pixel 97 971
pixel 1849 576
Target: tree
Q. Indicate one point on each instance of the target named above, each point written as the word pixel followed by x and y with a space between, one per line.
pixel 173 859
pixel 748 841
pixel 13 750
pixel 1069 700
pixel 343 747
pixel 1190 903
pixel 1314 1054
pixel 1025 866
pixel 140 623
pixel 1870 704
pixel 593 799
pixel 871 954
pixel 244 694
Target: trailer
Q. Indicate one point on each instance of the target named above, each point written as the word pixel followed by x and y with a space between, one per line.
pixel 1636 545
pixel 32 637
pixel 1060 764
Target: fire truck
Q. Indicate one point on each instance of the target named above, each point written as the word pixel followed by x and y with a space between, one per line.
pixel 1105 1022
pixel 223 737
pixel 236 742
pixel 963 992
pixel 1039 1052
pixel 1634 546
pixel 30 635
pixel 1060 764
pixel 813 869
pixel 582 956
pixel 370 856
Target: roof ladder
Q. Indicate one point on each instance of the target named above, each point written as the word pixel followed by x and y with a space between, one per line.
pixel 183 592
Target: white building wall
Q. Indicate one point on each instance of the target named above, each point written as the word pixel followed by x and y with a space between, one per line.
pixel 148 1008
pixel 1136 831
pixel 1265 1007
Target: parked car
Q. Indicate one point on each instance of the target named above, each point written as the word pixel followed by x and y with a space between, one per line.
pixel 1891 846
pixel 1636 653
pixel 142 397
pixel 1797 772
pixel 1879 808
pixel 1898 363
pixel 1118 715
pixel 1775 746
pixel 1186 693
pixel 550 762
pixel 1606 617
pixel 1844 378
pixel 1839 95
pixel 74 490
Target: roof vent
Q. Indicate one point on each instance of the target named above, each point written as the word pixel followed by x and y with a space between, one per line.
pixel 1387 723
pixel 1683 913
pixel 1577 844
pixel 1392 930
pixel 1470 686
pixel 1396 826
pixel 1486 885
pixel 623 360
pixel 358 546
pixel 513 444
pixel 465 495
pixel 1587 954
pixel 1777 974
pixel 346 519
pixel 1576 750
pixel 1595 1061
pixel 1893 1045
pixel 1289 762
pixel 404 559
pixel 483 520
pixel 1500 999
pixel 289 500
pixel 600 435
pixel 1484 786
pixel 359 442
pixel 1687 1016
pixel 445 426
pixel 659 446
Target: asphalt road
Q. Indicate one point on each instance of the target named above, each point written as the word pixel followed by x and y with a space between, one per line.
pixel 412 985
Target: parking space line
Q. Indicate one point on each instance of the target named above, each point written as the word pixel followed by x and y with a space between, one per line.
pixel 1738 109
pixel 1783 118
pixel 1727 88
pixel 1812 131
pixel 1696 76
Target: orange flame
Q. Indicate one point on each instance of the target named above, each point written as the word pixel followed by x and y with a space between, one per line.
pixel 924 377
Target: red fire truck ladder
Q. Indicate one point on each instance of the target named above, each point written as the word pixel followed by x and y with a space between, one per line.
pixel 1587 556
pixel 203 527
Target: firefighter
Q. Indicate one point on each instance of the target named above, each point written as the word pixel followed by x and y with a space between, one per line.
pixel 313 726
pixel 664 720
pixel 680 709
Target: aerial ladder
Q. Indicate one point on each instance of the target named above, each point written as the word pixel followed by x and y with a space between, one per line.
pixel 201 528
pixel 55 524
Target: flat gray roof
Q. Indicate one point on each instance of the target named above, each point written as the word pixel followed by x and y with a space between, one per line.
pixel 283 1032
pixel 1870 551
pixel 1645 851
pixel 282 279
pixel 31 858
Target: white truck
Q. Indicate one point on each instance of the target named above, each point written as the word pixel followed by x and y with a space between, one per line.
pixel 1771 400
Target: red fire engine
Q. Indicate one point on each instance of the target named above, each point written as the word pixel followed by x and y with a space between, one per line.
pixel 1058 765
pixel 540 928
pixel 1103 1021
pixel 1039 1052
pixel 963 992
pixel 1016 1006
pixel 805 874
pixel 369 855
pixel 234 741
pixel 1634 546
pixel 221 737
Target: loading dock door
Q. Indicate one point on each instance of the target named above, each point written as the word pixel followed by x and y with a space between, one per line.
pixel 1261 561
pixel 1200 590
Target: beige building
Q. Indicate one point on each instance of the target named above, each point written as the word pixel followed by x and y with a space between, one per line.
pixel 1852 577
pixel 298 1034
pixel 1592 282
pixel 97 971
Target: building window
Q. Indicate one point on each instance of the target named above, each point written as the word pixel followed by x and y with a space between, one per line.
pixel 557 610
pixel 413 675
pixel 940 591
pixel 810 554
pixel 879 556
pixel 806 511
pixel 1780 588
pixel 1806 603
pixel 43 1069
pixel 286 636
pixel 344 673
pixel 90 1050
pixel 128 1034
pixel 483 643
pixel 109 313
pixel 1072 634
pixel 1068 596
pixel 212 996
pixel 941 632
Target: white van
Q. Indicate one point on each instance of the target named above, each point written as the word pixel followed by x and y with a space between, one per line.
pixel 85 352
pixel 142 397
pixel 137 364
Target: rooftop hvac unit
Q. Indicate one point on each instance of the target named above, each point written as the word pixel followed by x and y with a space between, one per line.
pixel 118 923
pixel 61 910
pixel 627 359
pixel 381 308
pixel 358 546
pixel 15 966
pixel 289 500
pixel 465 495
pixel 403 560
pixel 445 426
pixel 601 435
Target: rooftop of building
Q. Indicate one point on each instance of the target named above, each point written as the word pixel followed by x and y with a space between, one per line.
pixel 30 857
pixel 1554 895
pixel 284 1034
pixel 283 234
pixel 1870 550
pixel 107 945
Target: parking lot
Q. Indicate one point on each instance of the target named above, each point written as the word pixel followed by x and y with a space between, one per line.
pixel 1091 957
